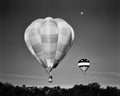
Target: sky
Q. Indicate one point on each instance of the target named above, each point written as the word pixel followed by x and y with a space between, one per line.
pixel 97 38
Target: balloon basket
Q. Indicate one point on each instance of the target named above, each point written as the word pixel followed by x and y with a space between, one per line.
pixel 50 78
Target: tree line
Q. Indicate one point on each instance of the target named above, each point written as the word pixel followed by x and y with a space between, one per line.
pixel 92 89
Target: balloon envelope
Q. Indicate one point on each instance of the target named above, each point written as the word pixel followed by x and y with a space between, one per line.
pixel 49 40
pixel 84 64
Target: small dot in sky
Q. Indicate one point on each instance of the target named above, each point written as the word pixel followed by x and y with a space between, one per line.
pixel 81 13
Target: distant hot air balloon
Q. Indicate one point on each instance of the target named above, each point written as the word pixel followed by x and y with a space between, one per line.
pixel 84 64
pixel 49 41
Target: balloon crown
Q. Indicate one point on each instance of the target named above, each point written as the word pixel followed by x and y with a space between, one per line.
pixel 83 60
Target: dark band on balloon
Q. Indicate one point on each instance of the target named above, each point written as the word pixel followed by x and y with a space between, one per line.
pixel 49 38
pixel 37 48
pixel 84 65
pixel 84 60
pixel 51 57
pixel 50 52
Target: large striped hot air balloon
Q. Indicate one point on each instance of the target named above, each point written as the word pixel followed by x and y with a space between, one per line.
pixel 49 41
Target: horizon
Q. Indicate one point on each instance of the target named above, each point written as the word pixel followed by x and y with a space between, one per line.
pixel 8 79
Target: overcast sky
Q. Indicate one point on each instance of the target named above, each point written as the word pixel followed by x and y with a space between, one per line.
pixel 97 37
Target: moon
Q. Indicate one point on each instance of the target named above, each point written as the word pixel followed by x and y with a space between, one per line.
pixel 81 13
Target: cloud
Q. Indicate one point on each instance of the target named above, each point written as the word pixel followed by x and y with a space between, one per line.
pixel 3 76
pixel 112 75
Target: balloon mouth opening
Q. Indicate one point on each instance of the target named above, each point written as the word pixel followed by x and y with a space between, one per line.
pixel 49 70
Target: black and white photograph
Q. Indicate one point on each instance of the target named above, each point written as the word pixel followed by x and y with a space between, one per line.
pixel 59 48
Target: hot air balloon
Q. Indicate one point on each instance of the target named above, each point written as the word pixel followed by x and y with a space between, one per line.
pixel 84 64
pixel 49 41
